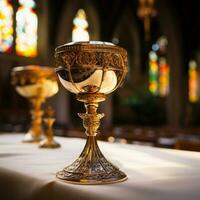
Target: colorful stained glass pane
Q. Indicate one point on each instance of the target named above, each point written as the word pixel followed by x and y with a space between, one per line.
pixel 159 68
pixel 163 76
pixel 26 29
pixel 153 73
pixel 193 82
pixel 6 26
pixel 80 32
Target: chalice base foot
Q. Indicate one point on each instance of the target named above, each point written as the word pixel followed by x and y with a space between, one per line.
pixel 91 167
pixel 31 138
pixel 49 144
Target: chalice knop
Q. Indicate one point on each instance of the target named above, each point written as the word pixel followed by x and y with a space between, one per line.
pixel 35 83
pixel 91 70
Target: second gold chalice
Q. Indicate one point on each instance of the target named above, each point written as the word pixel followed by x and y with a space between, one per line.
pixel 35 83
pixel 91 70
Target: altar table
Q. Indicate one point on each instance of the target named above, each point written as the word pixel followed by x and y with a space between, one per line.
pixel 28 173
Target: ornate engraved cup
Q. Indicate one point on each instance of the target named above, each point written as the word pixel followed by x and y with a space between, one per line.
pixel 91 70
pixel 35 83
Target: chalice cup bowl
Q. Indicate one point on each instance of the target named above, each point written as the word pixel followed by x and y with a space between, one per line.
pixel 36 83
pixel 91 70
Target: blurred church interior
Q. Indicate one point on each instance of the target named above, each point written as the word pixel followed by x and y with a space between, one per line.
pixel 159 103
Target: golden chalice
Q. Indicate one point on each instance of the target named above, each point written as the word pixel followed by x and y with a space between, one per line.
pixel 35 83
pixel 91 70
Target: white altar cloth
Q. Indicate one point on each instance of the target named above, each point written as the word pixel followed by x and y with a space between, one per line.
pixel 28 173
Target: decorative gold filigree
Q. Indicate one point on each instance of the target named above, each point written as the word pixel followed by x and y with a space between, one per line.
pixel 91 55
pixel 91 167
pixel 91 59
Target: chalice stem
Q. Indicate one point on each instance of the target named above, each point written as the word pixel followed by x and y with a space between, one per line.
pixel 49 132
pixel 91 152
pixel 49 142
pixel 91 122
pixel 37 118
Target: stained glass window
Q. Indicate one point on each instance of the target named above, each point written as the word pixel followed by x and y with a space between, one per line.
pixel 163 77
pixel 159 68
pixel 6 26
pixel 80 32
pixel 153 72
pixel 26 29
pixel 193 82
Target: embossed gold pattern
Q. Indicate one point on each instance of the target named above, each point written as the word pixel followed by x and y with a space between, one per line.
pixel 91 70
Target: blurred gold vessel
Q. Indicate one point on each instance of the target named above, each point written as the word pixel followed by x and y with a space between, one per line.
pixel 49 142
pixel 36 83
pixel 91 70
